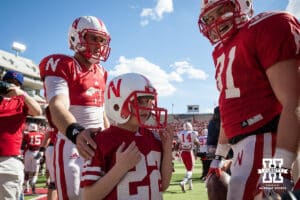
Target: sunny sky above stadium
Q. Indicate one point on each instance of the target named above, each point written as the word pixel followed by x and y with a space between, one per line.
pixel 158 38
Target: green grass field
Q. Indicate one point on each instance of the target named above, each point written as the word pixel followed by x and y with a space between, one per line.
pixel 174 191
pixel 39 184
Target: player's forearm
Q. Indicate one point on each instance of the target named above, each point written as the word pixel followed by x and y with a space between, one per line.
pixel 288 136
pixel 222 137
pixel 61 116
pixel 34 107
pixel 105 185
pixel 106 121
pixel 166 169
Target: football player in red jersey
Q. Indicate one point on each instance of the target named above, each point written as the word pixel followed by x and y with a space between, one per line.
pixel 256 61
pixel 132 161
pixel 187 139
pixel 32 140
pixel 74 89
pixel 15 105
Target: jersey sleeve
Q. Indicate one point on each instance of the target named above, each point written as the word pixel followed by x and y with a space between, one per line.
pixel 92 170
pixel 57 65
pixel 278 39
pixel 97 167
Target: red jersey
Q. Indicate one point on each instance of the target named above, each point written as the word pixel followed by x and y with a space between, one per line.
pixel 33 140
pixel 86 86
pixel 141 182
pixel 247 101
pixel 13 112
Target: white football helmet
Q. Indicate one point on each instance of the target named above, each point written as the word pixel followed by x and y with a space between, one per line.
pixel 223 27
pixel 77 31
pixel 187 126
pixel 32 127
pixel 122 97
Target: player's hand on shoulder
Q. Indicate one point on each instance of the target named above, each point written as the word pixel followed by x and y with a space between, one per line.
pixel 85 142
pixel 127 157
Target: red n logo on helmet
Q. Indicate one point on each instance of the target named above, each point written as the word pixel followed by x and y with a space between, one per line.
pixel 115 90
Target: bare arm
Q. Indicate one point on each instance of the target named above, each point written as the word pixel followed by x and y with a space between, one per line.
pixel 60 113
pixel 166 166
pixel 223 146
pixel 285 82
pixel 106 121
pixel 222 137
pixel 34 107
pixel 62 118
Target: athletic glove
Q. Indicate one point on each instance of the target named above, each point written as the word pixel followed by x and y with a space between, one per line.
pixel 216 166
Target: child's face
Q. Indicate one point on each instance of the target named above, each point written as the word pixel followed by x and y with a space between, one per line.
pixel 146 103
pixel 142 110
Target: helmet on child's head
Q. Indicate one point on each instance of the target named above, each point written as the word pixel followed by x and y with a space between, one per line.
pixel 89 24
pixel 122 98
pixel 225 25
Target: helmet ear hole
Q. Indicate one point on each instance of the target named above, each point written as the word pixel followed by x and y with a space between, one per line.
pixel 248 3
pixel 116 107
pixel 125 111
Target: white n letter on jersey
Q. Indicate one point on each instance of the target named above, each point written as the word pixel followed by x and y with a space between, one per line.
pixel 51 63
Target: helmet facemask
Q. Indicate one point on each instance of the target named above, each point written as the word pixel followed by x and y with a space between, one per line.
pixel 84 47
pixel 143 106
pixel 89 25
pixel 230 17
pixel 223 26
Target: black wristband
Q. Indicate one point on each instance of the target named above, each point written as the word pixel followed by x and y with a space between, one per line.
pixel 218 157
pixel 73 130
pixel 42 149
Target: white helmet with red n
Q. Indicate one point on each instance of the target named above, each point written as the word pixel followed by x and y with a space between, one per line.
pixel 122 100
pixel 32 127
pixel 232 15
pixel 77 42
